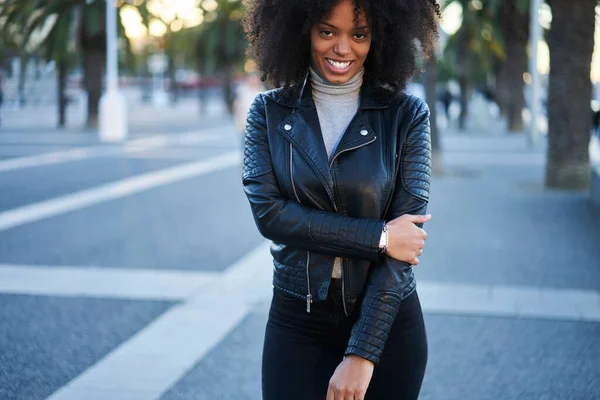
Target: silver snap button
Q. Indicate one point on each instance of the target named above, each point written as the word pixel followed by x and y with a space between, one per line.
pixel 364 132
pixel 287 127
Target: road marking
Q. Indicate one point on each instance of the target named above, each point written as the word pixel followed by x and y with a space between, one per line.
pixel 114 283
pixel 80 153
pixel 158 356
pixel 153 360
pixel 493 158
pixel 115 190
pixel 29 150
pixel 62 138
pixel 173 153
pixel 510 301
pixel 169 285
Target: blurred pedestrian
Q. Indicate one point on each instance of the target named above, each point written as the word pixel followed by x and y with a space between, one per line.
pixel 446 98
pixel 337 169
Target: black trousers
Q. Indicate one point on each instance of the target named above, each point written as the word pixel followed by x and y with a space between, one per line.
pixel 301 350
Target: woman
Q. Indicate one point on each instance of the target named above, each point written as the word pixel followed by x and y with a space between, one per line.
pixel 336 169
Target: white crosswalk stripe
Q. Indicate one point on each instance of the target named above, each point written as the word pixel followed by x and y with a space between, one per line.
pixel 124 187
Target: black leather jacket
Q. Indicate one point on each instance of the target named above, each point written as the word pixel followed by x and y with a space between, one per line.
pixel 314 209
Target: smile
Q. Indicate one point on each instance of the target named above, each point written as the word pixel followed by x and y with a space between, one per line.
pixel 341 66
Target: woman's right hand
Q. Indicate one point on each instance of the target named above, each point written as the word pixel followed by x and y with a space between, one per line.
pixel 405 238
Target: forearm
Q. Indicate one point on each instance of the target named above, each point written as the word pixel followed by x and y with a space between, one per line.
pixel 390 280
pixel 289 222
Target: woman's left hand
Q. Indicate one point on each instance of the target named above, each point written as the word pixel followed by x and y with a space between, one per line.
pixel 350 379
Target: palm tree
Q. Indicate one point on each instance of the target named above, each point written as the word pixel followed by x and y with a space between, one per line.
pixel 58 47
pixel 222 44
pixel 16 29
pixel 473 48
pixel 492 41
pixel 514 24
pixel 85 18
pixel 571 43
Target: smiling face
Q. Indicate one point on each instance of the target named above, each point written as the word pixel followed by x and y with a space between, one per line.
pixel 339 46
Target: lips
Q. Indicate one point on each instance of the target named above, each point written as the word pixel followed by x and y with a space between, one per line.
pixel 339 65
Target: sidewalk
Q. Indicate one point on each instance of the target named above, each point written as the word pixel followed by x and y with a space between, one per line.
pixel 509 283
pixel 143 118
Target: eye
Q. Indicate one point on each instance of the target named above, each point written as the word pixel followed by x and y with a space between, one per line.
pixel 360 36
pixel 326 33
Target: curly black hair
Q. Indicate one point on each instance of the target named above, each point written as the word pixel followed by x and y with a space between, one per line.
pixel 278 32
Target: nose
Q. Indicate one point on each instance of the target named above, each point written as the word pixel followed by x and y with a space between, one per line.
pixel 342 47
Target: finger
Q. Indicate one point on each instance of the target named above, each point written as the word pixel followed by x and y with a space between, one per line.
pixel 415 261
pixel 420 251
pixel 330 394
pixel 416 219
pixel 347 396
pixel 424 234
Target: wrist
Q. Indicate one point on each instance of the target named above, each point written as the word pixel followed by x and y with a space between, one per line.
pixel 383 240
pixel 359 360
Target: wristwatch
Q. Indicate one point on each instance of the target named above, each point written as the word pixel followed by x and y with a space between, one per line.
pixel 383 241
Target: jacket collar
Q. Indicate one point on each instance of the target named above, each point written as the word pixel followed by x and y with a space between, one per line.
pixel 300 96
pixel 301 127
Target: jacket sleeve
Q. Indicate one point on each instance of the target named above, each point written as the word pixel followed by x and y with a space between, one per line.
pixel 387 282
pixel 289 222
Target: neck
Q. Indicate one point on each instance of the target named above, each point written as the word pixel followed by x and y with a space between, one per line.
pixel 343 92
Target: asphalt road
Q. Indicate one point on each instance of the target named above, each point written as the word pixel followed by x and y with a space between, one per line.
pixel 185 233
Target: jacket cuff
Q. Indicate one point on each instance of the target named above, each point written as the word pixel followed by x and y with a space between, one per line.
pixel 371 331
pixel 358 351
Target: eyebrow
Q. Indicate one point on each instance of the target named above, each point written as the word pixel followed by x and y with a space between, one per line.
pixel 334 27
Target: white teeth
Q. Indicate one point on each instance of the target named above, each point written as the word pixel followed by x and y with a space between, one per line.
pixel 339 65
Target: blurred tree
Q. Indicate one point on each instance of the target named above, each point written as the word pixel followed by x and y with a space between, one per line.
pixel 571 43
pixel 59 46
pixel 15 31
pixel 472 50
pixel 56 21
pixel 178 41
pixel 8 46
pixel 492 41
pixel 430 78
pixel 513 18
pixel 221 46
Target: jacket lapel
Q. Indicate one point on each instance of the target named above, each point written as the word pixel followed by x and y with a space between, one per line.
pixel 303 130
pixel 358 134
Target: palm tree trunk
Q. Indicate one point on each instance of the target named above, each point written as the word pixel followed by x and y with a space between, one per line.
pixel 515 30
pixel 93 66
pixel 430 80
pixel 62 99
pixel 464 70
pixel 571 42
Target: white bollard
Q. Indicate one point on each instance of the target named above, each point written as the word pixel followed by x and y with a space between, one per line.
pixel 113 117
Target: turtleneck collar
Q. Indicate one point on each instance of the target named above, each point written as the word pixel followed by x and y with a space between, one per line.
pixel 339 93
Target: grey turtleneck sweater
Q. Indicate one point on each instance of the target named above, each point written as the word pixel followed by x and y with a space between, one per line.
pixel 336 106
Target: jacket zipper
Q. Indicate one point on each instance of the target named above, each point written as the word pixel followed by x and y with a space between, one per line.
pixel 308 295
pixel 336 209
